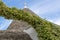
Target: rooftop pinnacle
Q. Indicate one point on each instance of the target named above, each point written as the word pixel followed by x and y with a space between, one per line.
pixel 25 4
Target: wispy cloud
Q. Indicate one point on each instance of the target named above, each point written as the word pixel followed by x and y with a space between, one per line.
pixel 46 6
pixel 56 21
pixel 49 9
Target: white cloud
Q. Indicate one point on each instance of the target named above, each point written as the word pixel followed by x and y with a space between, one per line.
pixel 46 6
pixel 56 21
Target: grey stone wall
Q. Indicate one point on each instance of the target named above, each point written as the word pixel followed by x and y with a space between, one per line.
pixel 14 35
pixel 19 30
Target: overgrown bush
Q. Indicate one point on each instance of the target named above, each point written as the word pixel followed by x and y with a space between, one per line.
pixel 45 29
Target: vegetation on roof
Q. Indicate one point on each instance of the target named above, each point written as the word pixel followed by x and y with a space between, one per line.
pixel 45 29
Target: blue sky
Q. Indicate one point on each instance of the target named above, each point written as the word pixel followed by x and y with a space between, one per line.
pixel 4 23
pixel 47 9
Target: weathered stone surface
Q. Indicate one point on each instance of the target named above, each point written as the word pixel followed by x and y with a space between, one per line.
pixel 15 31
pixel 20 25
pixel 19 30
pixel 14 35
pixel 33 34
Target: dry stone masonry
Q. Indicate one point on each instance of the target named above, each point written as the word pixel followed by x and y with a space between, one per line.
pixel 18 30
